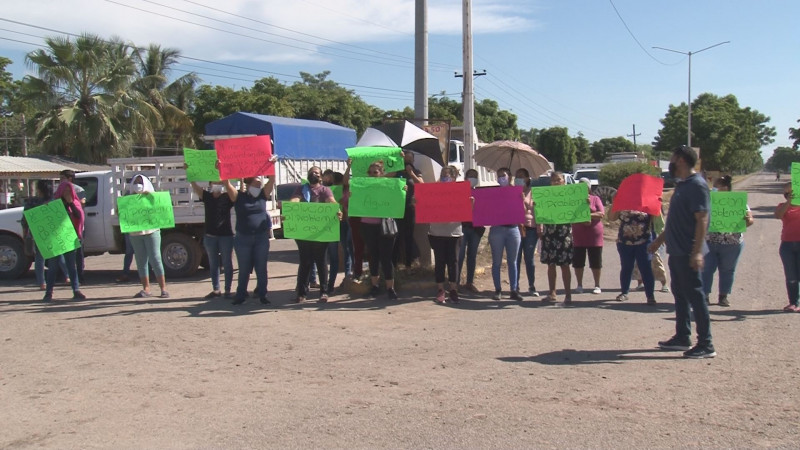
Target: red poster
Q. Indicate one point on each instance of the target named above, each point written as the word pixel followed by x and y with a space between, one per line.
pixel 443 202
pixel 639 192
pixel 244 157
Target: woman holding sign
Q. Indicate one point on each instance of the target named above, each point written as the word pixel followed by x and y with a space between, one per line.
pixel 44 194
pixel 508 238
pixel 444 238
pixel 633 238
pixel 147 245
pixel 67 195
pixel 723 251
pixel 790 247
pixel 557 251
pixel 251 240
pixel 218 238
pixel 530 236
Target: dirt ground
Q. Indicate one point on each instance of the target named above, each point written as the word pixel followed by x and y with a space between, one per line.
pixel 185 372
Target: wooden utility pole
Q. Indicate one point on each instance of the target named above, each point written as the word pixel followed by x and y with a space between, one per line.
pixel 634 136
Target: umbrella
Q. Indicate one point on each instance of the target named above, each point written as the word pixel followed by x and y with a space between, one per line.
pixel 410 137
pixel 512 155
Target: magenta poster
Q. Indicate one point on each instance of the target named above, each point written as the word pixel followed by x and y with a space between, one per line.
pixel 498 206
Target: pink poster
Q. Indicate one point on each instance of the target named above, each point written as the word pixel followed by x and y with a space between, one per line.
pixel 498 206
pixel 244 157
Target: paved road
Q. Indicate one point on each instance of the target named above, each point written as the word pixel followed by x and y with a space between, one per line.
pixel 185 372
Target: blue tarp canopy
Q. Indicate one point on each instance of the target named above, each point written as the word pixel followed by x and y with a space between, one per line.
pixel 291 138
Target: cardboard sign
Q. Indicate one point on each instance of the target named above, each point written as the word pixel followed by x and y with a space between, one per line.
pixel 377 197
pixel 796 183
pixel 727 212
pixel 52 229
pixel 147 211
pixel 362 157
pixel 200 165
pixel 338 191
pixel 639 192
pixel 311 221
pixel 244 157
pixel 443 202
pixel 564 204
pixel 498 206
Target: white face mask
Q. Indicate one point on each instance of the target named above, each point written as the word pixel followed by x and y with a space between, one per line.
pixel 138 188
pixel 217 189
pixel 473 181
pixel 254 191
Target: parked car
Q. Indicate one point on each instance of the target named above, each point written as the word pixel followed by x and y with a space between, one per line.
pixel 591 174
pixel 544 180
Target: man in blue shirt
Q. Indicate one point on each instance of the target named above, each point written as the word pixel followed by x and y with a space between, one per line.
pixel 684 233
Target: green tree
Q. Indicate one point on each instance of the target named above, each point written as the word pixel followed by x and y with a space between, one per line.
pixel 583 152
pixel 782 159
pixel 317 98
pixel 613 174
pixel 215 102
pixel 794 133
pixel 601 149
pixel 530 137
pixel 558 147
pixel 494 124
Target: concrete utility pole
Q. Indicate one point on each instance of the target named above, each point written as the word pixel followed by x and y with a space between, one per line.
pixel 421 62
pixel 468 98
pixel 634 135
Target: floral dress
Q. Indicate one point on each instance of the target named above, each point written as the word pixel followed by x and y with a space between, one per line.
pixel 557 244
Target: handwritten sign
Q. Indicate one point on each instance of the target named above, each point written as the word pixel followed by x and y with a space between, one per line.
pixel 377 197
pixel 337 190
pixel 443 202
pixel 562 204
pixel 639 192
pixel 727 212
pixel 311 221
pixel 141 212
pixel 796 183
pixel 244 157
pixel 52 230
pixel 200 165
pixel 498 206
pixel 362 157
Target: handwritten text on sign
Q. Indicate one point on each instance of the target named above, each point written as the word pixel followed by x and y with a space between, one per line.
pixel 244 157
pixel 311 221
pixel 796 183
pixel 562 204
pixel 498 206
pixel 443 202
pixel 52 230
pixel 727 212
pixel 377 197
pixel 362 157
pixel 201 165
pixel 145 212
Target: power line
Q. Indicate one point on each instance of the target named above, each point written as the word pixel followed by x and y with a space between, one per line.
pixel 634 36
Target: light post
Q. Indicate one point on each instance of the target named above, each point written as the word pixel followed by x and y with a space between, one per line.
pixel 689 100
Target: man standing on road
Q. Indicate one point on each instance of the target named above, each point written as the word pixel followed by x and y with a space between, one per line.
pixel 685 232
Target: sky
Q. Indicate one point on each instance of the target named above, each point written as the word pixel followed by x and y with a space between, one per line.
pixel 587 65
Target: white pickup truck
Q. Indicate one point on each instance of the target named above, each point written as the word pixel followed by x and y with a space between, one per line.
pixel 181 247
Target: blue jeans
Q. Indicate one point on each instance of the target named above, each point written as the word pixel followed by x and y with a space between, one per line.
pixel 39 262
pixel 469 249
pixel 724 257
pixel 790 256
pixel 504 237
pixel 528 248
pixel 72 271
pixel 219 249
pixel 147 251
pixel 635 254
pixel 252 252
pixel 687 288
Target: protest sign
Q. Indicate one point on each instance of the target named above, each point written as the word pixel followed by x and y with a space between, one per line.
pixel 362 157
pixel 311 221
pixel 639 192
pixel 498 206
pixel 146 211
pixel 52 229
pixel 796 183
pixel 727 212
pixel 201 165
pixel 564 204
pixel 443 202
pixel 244 157
pixel 377 197
pixel 337 190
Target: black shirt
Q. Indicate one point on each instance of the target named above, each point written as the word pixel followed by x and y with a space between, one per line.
pixel 218 214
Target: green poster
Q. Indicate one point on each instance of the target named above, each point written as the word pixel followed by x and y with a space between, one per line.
pixel 52 230
pixel 148 211
pixel 562 204
pixel 311 221
pixel 377 197
pixel 727 212
pixel 337 192
pixel 362 157
pixel 201 165
pixel 796 183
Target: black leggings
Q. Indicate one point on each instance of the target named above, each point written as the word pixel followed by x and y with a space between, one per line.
pixel 445 254
pixel 311 253
pixel 380 249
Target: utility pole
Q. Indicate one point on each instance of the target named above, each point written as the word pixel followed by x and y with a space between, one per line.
pixel 421 62
pixel 634 135
pixel 468 96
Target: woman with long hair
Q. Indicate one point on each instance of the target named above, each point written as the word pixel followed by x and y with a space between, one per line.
pixel 789 250
pixel 444 238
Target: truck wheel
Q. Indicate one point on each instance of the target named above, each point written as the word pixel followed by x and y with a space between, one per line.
pixel 13 262
pixel 180 254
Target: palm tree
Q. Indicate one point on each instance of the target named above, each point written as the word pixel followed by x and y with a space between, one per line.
pixel 82 90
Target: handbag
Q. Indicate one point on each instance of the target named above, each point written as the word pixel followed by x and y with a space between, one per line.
pixel 388 227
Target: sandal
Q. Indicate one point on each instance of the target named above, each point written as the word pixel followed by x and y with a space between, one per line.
pixel 142 294
pixel 790 308
pixel 549 298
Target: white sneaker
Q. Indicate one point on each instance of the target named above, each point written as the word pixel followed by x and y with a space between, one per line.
pixel 534 293
pixel 579 289
pixel 597 290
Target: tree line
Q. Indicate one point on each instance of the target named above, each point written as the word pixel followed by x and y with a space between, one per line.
pixel 90 99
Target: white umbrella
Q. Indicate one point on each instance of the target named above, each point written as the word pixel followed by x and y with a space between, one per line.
pixel 513 156
pixel 375 138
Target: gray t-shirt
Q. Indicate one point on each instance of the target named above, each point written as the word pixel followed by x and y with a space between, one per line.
pixel 690 196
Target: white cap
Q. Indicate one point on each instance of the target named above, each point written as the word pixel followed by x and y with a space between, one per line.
pixel 584 180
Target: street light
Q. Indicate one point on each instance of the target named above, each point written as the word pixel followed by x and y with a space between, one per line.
pixel 689 101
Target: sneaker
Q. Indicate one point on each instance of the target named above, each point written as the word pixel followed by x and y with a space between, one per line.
pixel 723 301
pixel 78 295
pixel 622 298
pixel 48 297
pixel 533 292
pixel 579 289
pixel 264 301
pixel 238 301
pixel 299 299
pixel 228 294
pixel 440 296
pixel 515 296
pixel 164 294
pixel 374 291
pixel 323 298
pixel 665 289
pixel 700 352
pixel 640 287
pixel 497 295
pixel 597 290
pixel 392 294
pixel 651 301
pixel 213 294
pixel 454 296
pixel 675 343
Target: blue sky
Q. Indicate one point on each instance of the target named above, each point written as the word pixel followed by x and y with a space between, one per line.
pixel 566 63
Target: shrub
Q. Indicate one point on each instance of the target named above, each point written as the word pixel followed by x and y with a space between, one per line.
pixel 613 174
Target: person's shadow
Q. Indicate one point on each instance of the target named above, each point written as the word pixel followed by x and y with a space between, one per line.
pixel 570 356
